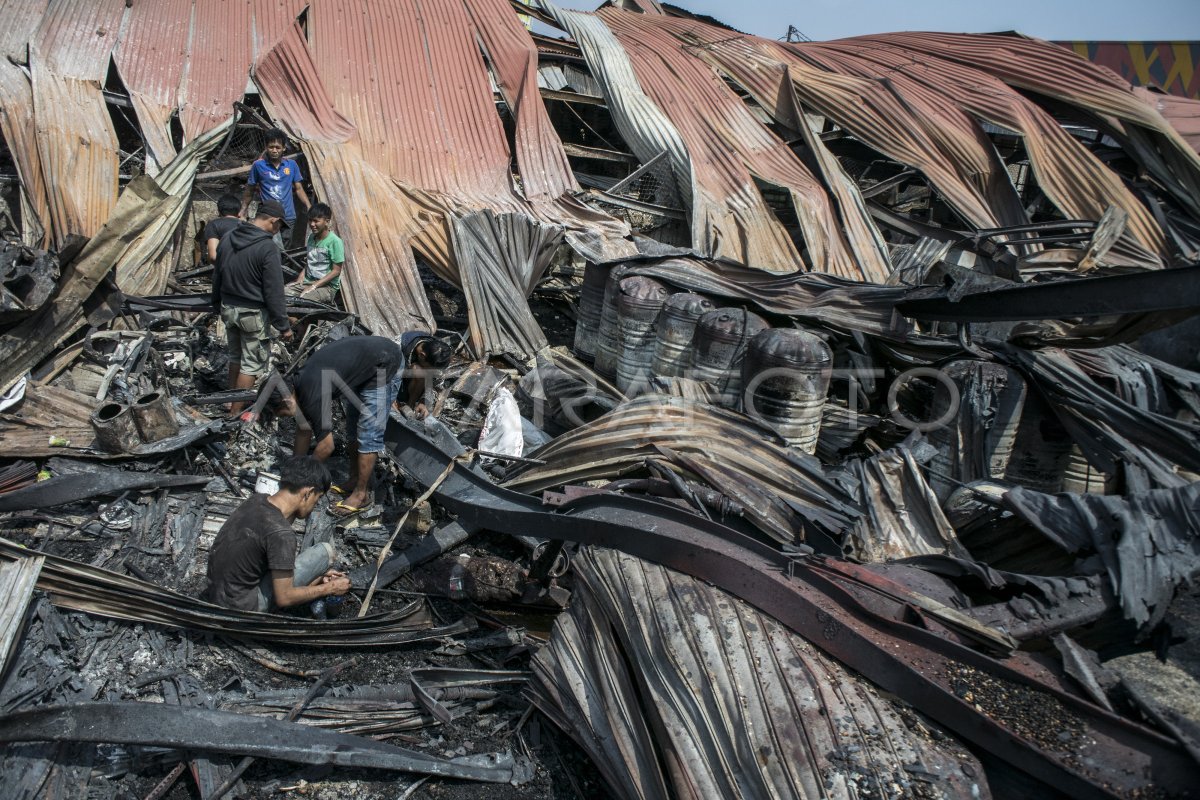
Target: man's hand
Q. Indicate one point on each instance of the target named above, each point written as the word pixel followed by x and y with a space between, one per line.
pixel 337 586
pixel 287 335
pixel 420 411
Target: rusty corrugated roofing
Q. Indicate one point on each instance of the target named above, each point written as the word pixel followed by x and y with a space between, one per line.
pixel 151 57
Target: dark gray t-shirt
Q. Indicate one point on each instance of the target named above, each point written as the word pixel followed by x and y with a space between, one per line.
pixel 253 541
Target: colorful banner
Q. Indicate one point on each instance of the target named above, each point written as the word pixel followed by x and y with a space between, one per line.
pixel 1171 66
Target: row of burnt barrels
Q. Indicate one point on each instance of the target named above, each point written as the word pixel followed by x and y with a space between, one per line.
pixel 635 329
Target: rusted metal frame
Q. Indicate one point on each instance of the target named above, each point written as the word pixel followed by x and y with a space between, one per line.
pixel 1154 290
pixel 637 205
pixel 887 183
pixel 573 97
pixel 913 663
pixel 598 153
pixel 637 173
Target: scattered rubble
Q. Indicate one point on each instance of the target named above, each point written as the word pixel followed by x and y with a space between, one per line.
pixel 824 418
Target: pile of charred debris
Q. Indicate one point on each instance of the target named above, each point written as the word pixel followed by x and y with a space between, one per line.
pixel 679 528
pixel 727 536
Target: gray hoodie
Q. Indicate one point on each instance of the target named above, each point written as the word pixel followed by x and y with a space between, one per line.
pixel 249 274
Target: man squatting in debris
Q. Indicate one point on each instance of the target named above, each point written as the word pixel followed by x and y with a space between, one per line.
pixel 369 372
pixel 253 565
pixel 247 290
pixel 276 178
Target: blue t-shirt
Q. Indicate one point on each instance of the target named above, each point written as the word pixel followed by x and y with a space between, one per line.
pixel 276 184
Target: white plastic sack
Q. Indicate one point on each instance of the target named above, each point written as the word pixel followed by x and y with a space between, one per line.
pixel 502 430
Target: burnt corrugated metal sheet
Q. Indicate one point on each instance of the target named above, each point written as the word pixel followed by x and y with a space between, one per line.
pixel 1054 72
pixel 545 173
pixel 782 491
pixel 500 259
pixel 21 18
pixel 729 149
pixel 219 58
pixel 901 514
pixel 77 148
pixel 864 108
pixel 76 37
pixel 419 95
pixel 288 83
pixel 677 689
pixel 274 20
pixel 1078 183
pixel 151 58
pixel 1173 67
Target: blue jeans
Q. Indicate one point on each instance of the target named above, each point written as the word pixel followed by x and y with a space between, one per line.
pixel 369 415
pixel 310 565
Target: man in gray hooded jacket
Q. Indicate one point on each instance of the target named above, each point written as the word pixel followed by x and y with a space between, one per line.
pixel 248 294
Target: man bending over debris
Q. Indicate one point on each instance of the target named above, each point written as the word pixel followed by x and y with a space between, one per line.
pixel 248 294
pixel 227 206
pixel 368 371
pixel 253 565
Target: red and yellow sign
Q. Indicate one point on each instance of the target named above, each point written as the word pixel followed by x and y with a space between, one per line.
pixel 1171 66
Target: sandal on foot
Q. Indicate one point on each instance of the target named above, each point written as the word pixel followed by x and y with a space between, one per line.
pixel 341 510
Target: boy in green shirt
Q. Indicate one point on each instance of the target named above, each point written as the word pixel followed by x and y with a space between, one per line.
pixel 321 277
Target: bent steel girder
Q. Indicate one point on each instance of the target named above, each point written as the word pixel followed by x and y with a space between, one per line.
pixel 838 613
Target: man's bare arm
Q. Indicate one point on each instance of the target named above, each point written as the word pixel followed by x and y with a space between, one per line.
pixel 287 594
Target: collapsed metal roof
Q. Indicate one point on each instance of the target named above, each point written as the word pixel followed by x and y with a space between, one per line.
pixel 403 135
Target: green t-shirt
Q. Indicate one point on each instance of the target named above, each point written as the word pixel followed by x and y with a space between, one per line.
pixel 322 256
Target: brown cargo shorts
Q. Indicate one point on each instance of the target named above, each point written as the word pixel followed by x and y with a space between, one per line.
pixel 248 339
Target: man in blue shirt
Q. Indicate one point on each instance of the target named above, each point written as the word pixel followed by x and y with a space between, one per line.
pixel 276 178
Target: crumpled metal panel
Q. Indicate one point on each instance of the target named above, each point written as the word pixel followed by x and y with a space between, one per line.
pixel 1113 431
pixel 1055 72
pixel 902 517
pixel 287 80
pixel 77 147
pixel 1147 541
pixel 1077 182
pixel 820 298
pixel 76 37
pixel 545 172
pixel 378 221
pixel 219 58
pixel 781 490
pixel 1182 112
pixel 151 57
pixel 21 18
pixel 78 586
pixel 145 267
pixel 730 148
pixel 500 259
pixel 418 92
pixel 677 689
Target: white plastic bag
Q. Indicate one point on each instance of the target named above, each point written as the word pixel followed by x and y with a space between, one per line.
pixel 502 429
